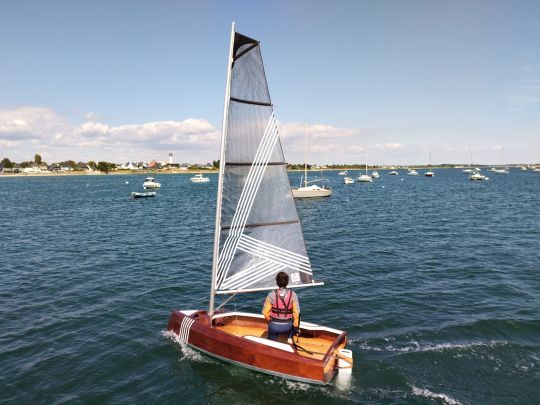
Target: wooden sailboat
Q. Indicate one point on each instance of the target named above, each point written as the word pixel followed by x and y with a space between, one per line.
pixel 257 234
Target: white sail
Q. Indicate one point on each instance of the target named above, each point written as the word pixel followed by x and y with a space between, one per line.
pixel 258 232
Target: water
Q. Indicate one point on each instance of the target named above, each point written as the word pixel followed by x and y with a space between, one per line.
pixel 437 282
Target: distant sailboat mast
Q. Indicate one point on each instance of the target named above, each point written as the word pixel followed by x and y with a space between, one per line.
pixel 365 156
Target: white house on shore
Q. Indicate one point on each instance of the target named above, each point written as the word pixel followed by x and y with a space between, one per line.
pixel 36 169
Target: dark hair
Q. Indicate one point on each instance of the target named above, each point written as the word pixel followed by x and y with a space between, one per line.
pixel 282 279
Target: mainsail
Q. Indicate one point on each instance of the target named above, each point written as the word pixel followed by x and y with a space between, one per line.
pixel 258 232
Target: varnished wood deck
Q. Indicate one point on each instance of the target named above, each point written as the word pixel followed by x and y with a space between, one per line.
pixel 315 347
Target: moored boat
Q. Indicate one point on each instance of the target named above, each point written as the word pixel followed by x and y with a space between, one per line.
pixel 257 235
pixel 478 176
pixel 199 178
pixel 313 190
pixel 143 195
pixel 348 180
pixel 150 183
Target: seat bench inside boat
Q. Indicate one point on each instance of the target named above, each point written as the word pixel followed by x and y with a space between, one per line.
pixel 314 340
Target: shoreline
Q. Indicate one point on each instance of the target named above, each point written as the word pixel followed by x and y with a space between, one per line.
pixel 168 172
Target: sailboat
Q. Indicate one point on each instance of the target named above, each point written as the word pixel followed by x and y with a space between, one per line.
pixel 257 235
pixel 429 173
pixel 469 169
pixel 475 174
pixel 309 191
pixel 365 178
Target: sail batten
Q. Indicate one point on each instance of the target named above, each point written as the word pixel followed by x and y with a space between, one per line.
pixel 259 230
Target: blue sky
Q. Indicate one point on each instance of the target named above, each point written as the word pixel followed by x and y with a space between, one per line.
pixel 134 80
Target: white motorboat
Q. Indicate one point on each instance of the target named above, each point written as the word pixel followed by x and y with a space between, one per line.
pixel 412 172
pixel 393 173
pixel 536 170
pixel 499 171
pixel 343 173
pixel 348 180
pixel 375 174
pixel 524 168
pixel 478 176
pixel 150 182
pixel 199 178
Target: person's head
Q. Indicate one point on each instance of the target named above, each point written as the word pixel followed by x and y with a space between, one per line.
pixel 282 279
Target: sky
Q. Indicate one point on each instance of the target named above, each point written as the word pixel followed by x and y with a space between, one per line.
pixel 391 80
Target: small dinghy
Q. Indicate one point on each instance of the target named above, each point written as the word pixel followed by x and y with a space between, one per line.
pixel 257 235
pixel 143 195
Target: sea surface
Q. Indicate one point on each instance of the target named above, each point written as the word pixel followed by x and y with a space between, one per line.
pixel 436 281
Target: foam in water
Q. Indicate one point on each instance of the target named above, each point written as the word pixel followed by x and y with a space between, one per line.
pixel 424 392
pixel 187 352
pixel 414 347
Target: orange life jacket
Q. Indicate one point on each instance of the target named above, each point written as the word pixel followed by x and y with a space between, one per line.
pixel 282 307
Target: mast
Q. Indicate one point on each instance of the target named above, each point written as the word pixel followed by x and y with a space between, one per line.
pixel 305 159
pixel 470 156
pixel 365 157
pixel 220 180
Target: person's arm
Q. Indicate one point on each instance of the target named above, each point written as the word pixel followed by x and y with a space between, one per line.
pixel 267 308
pixel 296 311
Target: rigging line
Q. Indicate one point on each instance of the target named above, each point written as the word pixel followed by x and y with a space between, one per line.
pixel 234 300
pixel 224 302
pixel 244 190
pixel 241 216
pixel 244 207
pixel 265 254
pixel 263 244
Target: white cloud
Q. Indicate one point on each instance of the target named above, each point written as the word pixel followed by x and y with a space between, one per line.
pixel 28 130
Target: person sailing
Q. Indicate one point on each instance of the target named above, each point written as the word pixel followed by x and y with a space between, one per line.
pixel 282 310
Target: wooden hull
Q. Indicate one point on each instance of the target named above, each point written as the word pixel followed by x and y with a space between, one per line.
pixel 240 338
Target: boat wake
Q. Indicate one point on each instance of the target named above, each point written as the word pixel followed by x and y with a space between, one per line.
pixel 415 347
pixel 424 392
pixel 187 352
